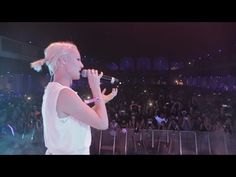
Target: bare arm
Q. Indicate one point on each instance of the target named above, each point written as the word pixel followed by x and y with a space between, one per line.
pixel 71 104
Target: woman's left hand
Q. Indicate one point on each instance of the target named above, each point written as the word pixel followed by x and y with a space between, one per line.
pixel 110 96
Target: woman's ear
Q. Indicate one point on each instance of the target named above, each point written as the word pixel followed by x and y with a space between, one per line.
pixel 62 61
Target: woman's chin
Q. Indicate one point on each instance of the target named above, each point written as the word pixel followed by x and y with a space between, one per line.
pixel 76 77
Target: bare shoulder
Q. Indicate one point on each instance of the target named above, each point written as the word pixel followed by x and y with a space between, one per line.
pixel 66 92
pixel 68 99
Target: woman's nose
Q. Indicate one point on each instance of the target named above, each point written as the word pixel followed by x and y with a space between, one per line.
pixel 81 65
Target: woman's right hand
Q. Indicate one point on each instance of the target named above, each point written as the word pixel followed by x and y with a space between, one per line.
pixel 94 81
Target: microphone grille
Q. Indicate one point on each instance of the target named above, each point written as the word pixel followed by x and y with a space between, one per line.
pixel 84 73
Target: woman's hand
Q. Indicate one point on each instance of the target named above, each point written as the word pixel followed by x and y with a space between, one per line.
pixel 94 82
pixel 110 96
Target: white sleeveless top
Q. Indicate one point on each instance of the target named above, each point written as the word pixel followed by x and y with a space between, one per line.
pixel 62 135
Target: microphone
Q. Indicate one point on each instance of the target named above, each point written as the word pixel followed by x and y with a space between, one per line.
pixel 112 80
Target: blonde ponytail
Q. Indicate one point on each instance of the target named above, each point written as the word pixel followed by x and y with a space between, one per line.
pixel 37 65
